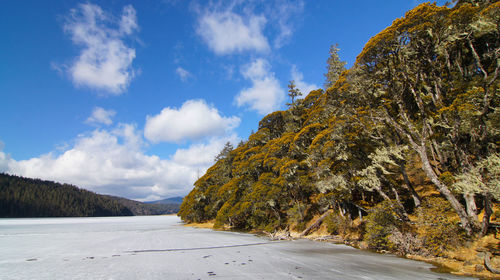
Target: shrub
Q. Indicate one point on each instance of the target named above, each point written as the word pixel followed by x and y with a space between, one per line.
pixel 407 243
pixel 380 223
pixel 338 225
pixel 437 227
pixel 296 216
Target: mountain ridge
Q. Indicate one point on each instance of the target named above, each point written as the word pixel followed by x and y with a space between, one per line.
pixel 26 197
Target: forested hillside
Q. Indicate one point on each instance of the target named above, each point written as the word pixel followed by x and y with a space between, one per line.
pixel 146 208
pixel 401 150
pixel 23 197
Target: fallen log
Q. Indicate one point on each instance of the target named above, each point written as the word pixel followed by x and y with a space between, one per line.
pixel 316 224
pixel 487 263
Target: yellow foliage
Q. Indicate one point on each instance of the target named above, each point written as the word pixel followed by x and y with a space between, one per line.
pixel 304 132
pixel 419 18
pixel 320 138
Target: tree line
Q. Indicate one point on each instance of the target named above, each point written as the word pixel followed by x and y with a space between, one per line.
pixel 408 135
pixel 23 197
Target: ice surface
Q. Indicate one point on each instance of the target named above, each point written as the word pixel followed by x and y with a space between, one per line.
pixel 159 247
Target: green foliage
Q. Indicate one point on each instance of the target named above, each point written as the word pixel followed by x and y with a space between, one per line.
pixel 432 78
pixel 224 153
pixel 145 208
pixel 334 66
pixel 23 197
pixel 422 93
pixel 380 224
pixel 293 93
pixel 484 177
pixel 439 232
pixel 338 225
pixel 296 216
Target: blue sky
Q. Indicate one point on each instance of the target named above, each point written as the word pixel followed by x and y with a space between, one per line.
pixel 135 98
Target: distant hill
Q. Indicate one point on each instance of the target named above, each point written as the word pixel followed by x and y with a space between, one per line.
pixel 170 200
pixel 24 197
pixel 160 207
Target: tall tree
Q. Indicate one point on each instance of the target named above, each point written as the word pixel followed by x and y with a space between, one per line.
pixel 224 153
pixel 334 66
pixel 293 92
pixel 431 77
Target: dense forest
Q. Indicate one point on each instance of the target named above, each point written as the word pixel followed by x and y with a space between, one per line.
pixel 166 206
pixel 23 197
pixel 400 151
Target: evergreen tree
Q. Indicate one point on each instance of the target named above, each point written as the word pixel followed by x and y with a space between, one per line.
pixel 224 153
pixel 334 66
pixel 293 92
pixel 418 105
pixel 23 197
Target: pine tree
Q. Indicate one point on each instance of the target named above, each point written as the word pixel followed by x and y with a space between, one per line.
pixel 224 153
pixel 334 66
pixel 293 92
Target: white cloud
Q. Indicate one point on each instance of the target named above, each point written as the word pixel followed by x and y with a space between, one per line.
pixel 304 87
pixel 105 61
pixel 101 116
pixel 236 26
pixel 193 121
pixel 128 21
pixel 265 95
pixel 285 14
pixel 183 74
pixel 113 162
pixel 227 32
pixel 97 162
pixel 202 155
pixel 5 159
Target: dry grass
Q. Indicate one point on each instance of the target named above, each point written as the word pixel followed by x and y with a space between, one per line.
pixel 201 225
pixel 469 259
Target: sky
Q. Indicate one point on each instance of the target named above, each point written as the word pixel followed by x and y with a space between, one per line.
pixel 136 98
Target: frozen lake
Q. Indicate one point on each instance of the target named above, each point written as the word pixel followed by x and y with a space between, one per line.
pixel 159 247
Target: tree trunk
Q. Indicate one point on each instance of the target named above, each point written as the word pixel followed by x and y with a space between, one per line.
pixel 409 185
pixel 341 211
pixel 487 213
pixel 300 211
pixel 467 224
pixel 316 223
pixel 470 202
pixel 400 209
pixel 383 194
pixel 487 264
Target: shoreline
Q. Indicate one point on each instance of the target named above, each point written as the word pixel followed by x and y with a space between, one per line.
pixel 208 225
pixel 441 264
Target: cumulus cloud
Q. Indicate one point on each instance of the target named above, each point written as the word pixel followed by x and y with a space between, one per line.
pixel 101 116
pixel 113 162
pixel 304 87
pixel 238 26
pixel 193 121
pixel 265 95
pixel 105 61
pixel 183 74
pixel 202 154
pixel 226 32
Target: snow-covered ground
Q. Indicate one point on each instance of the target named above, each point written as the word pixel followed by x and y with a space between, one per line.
pixel 159 247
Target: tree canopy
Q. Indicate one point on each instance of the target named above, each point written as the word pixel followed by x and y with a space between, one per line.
pixel 419 110
pixel 23 197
